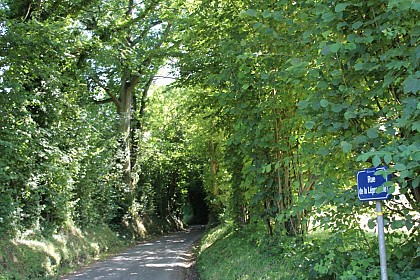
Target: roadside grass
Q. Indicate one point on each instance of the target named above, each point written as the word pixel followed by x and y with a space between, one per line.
pixel 47 255
pixel 34 256
pixel 230 254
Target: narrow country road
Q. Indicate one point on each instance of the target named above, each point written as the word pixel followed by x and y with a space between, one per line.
pixel 167 258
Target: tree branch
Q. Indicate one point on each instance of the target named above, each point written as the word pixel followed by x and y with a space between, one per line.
pixel 109 100
pixel 164 77
pixel 114 99
pixel 142 16
pixel 28 12
pixel 144 96
pixel 143 34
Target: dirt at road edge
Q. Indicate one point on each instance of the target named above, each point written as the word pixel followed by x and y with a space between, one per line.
pixel 192 273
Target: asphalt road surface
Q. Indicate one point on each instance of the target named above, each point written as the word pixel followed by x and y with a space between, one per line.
pixel 169 257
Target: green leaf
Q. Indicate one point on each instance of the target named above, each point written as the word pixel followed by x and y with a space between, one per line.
pixel 324 103
pixel 246 86
pixel 328 17
pixel 372 133
pixel 405 174
pixel 416 126
pixel 397 224
pixel 400 167
pixel 323 151
pixel 266 14
pixel 349 115
pixel 412 164
pixel 337 108
pixel 322 85
pixel 251 13
pixel 296 62
pixel 387 183
pixel 371 223
pixel 363 157
pixel 416 182
pixel 350 46
pixel 376 160
pixel 306 34
pixel 358 66
pixel 257 25
pixel 341 7
pixel 361 139
pixel 388 158
pixel 346 146
pixel 357 25
pixel 388 79
pixel 265 76
pixel 278 16
pixel 325 50
pixel 309 124
pixel 336 73
pixel 411 85
pixel 303 104
pixel 335 47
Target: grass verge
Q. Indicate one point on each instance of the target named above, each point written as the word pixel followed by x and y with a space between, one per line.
pixel 226 253
pixel 38 257
pixel 233 253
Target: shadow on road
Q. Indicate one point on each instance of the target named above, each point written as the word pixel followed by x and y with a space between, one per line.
pixel 168 257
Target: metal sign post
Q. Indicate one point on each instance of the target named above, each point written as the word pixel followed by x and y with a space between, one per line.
pixel 381 239
pixel 367 190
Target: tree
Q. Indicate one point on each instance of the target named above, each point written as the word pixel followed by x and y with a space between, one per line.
pixel 127 48
pixel 172 161
pixel 252 73
pixel 60 62
pixel 306 88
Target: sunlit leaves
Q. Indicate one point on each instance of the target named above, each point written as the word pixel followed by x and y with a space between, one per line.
pixel 65 162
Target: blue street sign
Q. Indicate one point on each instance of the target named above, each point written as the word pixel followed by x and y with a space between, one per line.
pixel 368 182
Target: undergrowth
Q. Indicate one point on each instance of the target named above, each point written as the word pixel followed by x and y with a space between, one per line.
pixel 228 253
pixel 47 254
pixel 34 256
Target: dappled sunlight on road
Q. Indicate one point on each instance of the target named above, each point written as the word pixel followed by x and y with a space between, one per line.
pixel 166 258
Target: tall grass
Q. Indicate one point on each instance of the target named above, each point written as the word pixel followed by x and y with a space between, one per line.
pixel 233 253
pixel 227 253
pixel 39 257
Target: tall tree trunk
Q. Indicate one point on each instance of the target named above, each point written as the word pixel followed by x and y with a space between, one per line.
pixel 136 128
pixel 214 167
pixel 128 83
